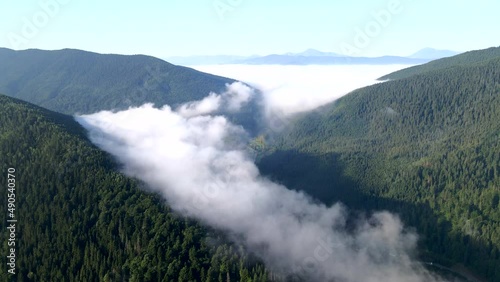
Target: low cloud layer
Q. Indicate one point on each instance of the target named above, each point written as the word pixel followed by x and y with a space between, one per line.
pixel 292 89
pixel 199 163
pixel 236 96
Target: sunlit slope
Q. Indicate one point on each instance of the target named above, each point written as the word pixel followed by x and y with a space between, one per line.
pixel 73 81
pixel 426 146
pixel 467 58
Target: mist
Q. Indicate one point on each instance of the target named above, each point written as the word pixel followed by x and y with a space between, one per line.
pixel 200 163
pixel 291 89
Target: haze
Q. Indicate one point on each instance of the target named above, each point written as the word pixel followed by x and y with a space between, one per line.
pixel 198 161
pixel 293 89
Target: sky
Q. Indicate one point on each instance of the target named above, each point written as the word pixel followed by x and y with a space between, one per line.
pixel 164 28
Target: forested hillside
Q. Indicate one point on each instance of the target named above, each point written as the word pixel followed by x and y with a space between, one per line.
pixel 426 146
pixel 467 58
pixel 80 220
pixel 79 82
pixel 73 81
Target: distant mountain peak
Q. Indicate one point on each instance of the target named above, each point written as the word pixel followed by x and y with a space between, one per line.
pixel 431 53
pixel 313 53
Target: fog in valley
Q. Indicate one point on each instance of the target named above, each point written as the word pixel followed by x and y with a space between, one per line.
pixel 199 162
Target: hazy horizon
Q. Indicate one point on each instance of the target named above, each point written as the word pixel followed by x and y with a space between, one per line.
pixel 363 28
pixel 292 89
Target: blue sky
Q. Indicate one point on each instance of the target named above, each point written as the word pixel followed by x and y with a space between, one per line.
pixel 165 28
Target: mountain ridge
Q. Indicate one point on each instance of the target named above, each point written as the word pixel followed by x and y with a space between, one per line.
pixel 425 146
pixel 81 220
pixel 471 57
pixel 431 53
pixel 74 81
pixel 313 56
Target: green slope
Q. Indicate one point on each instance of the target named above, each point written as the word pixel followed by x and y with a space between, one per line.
pixel 463 59
pixel 426 147
pixel 74 81
pixel 80 220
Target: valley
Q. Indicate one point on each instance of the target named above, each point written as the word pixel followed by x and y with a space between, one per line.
pixel 416 158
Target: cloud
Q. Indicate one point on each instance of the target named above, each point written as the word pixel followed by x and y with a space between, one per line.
pixel 200 165
pixel 236 96
pixel 293 89
pixel 208 105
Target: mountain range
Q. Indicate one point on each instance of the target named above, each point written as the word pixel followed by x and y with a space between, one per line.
pixel 314 57
pixel 74 81
pixel 81 220
pixel 425 145
pixel 430 53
